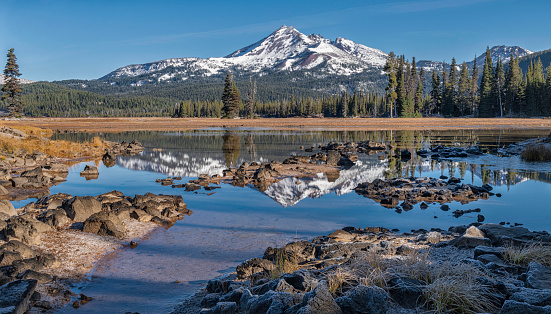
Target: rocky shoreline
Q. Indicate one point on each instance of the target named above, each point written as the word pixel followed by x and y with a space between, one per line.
pixel 48 246
pixel 477 268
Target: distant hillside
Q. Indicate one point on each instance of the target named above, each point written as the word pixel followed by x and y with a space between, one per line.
pixel 544 56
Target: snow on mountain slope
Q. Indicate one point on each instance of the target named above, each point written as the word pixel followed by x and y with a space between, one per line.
pixel 284 49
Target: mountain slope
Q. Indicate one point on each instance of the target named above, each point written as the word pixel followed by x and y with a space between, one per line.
pixel 284 49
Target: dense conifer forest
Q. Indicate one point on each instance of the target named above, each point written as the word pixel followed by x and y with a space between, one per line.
pixel 519 88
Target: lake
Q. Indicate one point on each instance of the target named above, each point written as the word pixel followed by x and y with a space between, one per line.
pixel 235 223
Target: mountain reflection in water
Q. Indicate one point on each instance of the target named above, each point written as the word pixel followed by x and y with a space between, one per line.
pixel 189 154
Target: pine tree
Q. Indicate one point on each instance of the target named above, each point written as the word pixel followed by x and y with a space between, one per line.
pixel 449 99
pixel 250 98
pixel 12 88
pixel 435 93
pixel 443 94
pixel 487 103
pixel 400 85
pixel 463 90
pixel 230 98
pixel 473 91
pixel 499 83
pixel 390 70
pixel 513 83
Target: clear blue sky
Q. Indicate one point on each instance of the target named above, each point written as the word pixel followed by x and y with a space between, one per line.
pixel 85 39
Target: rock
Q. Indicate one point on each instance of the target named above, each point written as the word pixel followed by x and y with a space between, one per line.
pixel 36 172
pixel 54 218
pixel 140 215
pixel 191 187
pixel 406 291
pixel 270 302
pixel 7 208
pixel 514 307
pixel 89 171
pixel 484 250
pixel 341 235
pixel 301 280
pixel 470 242
pixel 25 230
pixel 18 247
pixel 224 308
pixel 80 208
pixel 538 276
pixel 491 258
pixel 57 168
pixel 364 299
pixel 104 223
pixel 501 235
pixel 39 277
pixel 3 191
pixel 318 300
pixel 109 159
pixel 15 296
pixel 473 231
pixel 210 300
pixel 434 237
pixel 7 258
pixel 536 297
pixel 333 158
pixel 252 266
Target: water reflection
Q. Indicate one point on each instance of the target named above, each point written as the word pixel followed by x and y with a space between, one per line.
pixel 189 154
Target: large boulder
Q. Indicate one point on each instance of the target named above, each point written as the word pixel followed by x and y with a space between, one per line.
pixel 318 300
pixel 364 299
pixel 515 307
pixel 54 217
pixel 6 207
pixel 270 302
pixel 25 230
pixel 502 235
pixel 538 276
pixel 18 247
pixel 104 223
pixel 15 296
pixel 80 208
pixel 252 266
pixel 537 297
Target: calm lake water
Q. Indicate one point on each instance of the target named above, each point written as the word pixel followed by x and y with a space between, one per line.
pixel 235 224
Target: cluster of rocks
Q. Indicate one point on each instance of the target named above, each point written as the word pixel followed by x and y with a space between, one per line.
pixel 109 159
pixel 414 190
pixel 439 152
pixel 103 215
pixel 34 182
pixel 255 289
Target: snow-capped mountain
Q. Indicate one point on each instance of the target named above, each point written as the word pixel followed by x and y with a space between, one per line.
pixel 502 53
pixel 311 63
pixel 284 49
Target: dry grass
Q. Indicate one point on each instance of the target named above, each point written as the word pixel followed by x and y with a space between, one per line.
pixel 449 286
pixel 168 124
pixel 539 152
pixel 535 252
pixel 285 264
pixel 37 141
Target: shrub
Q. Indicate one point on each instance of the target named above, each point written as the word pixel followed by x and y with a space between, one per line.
pixel 540 152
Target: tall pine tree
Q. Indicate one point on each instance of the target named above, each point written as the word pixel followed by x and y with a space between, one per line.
pixel 487 101
pixel 12 88
pixel 390 70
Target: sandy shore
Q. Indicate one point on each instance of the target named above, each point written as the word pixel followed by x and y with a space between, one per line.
pixel 168 124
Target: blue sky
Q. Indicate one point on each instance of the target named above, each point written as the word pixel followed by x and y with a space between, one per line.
pixel 84 39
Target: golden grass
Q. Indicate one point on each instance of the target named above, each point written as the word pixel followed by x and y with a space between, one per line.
pixel 37 141
pixel 164 124
pixel 538 152
pixel 449 286
pixel 284 264
pixel 535 252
